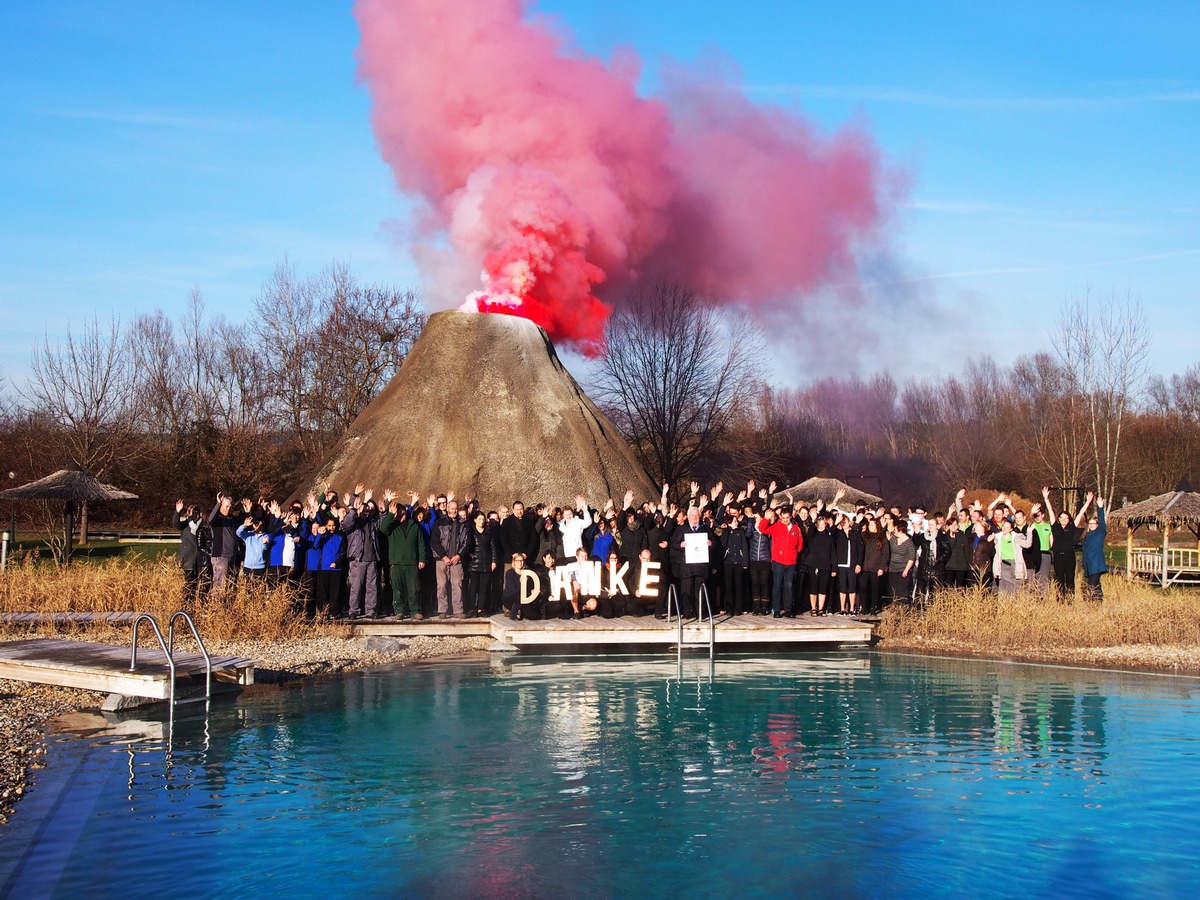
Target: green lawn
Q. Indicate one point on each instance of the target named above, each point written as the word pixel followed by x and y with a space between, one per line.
pixel 98 551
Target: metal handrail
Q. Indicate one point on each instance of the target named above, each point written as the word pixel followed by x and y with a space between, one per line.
pixel 199 643
pixel 673 598
pixel 170 659
pixel 712 622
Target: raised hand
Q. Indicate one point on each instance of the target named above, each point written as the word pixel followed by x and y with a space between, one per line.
pixel 628 499
pixel 580 501
pixel 840 493
pixel 358 488
pixel 695 486
pixel 367 495
pixel 388 495
pixel 178 506
pixel 717 488
pixel 346 498
pixel 771 489
pixel 449 496
pixel 962 492
pixel 727 499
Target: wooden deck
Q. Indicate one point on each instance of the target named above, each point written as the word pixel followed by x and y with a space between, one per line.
pixel 67 618
pixel 104 667
pixel 740 632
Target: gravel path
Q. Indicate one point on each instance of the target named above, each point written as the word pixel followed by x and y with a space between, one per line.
pixel 25 707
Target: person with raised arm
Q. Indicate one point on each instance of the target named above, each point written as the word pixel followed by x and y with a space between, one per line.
pixel 407 554
pixel 1064 535
pixel 786 544
pixel 1093 551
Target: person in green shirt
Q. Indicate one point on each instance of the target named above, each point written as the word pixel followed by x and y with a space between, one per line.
pixel 1042 532
pixel 1008 565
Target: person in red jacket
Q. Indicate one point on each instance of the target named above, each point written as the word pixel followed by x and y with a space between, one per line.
pixel 786 544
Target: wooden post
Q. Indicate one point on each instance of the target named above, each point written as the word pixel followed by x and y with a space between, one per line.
pixel 1128 551
pixel 1166 540
pixel 70 531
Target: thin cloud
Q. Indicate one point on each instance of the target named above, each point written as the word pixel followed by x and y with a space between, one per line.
pixel 965 207
pixel 1029 270
pixel 899 95
pixel 155 119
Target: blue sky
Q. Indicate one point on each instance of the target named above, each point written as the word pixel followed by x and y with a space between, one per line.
pixel 149 148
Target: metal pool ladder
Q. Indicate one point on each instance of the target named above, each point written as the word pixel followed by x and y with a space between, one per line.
pixel 673 601
pixel 168 648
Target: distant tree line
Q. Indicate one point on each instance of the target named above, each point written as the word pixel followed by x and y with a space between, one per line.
pixel 684 381
pixel 184 408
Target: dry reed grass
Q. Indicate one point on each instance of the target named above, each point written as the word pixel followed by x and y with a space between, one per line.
pixel 251 612
pixel 1133 613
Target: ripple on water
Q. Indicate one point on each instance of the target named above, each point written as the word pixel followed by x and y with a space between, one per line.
pixel 845 775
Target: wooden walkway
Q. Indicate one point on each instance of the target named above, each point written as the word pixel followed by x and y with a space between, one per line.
pixel 104 667
pixel 67 618
pixel 631 631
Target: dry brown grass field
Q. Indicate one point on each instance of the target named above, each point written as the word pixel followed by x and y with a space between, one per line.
pixel 1133 614
pixel 251 612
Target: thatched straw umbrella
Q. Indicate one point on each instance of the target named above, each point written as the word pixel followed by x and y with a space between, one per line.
pixel 1175 509
pixel 826 489
pixel 73 486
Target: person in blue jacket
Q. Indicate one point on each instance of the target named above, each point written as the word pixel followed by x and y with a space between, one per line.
pixel 331 575
pixel 1093 550
pixel 257 542
pixel 311 550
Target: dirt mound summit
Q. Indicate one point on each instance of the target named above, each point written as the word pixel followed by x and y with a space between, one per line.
pixel 483 406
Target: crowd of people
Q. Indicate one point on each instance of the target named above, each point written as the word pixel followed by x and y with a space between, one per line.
pixel 751 552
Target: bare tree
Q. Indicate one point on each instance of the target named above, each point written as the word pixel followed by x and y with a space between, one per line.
pixel 1180 396
pixel 160 401
pixel 1104 342
pixel 1053 430
pixel 962 424
pixel 675 372
pixel 329 346
pixel 84 386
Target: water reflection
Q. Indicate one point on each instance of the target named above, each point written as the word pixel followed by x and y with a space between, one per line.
pixel 627 772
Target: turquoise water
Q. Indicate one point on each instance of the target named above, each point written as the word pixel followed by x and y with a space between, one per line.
pixel 829 775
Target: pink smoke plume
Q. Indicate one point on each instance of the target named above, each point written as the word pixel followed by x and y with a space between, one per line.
pixel 546 170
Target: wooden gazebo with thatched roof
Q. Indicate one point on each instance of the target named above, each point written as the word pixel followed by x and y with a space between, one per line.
pixel 825 489
pixel 1173 510
pixel 73 486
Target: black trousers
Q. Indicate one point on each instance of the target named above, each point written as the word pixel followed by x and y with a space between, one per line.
pixel 475 597
pixel 870 590
pixel 1064 573
pixel 736 584
pixel 760 581
pixel 330 589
